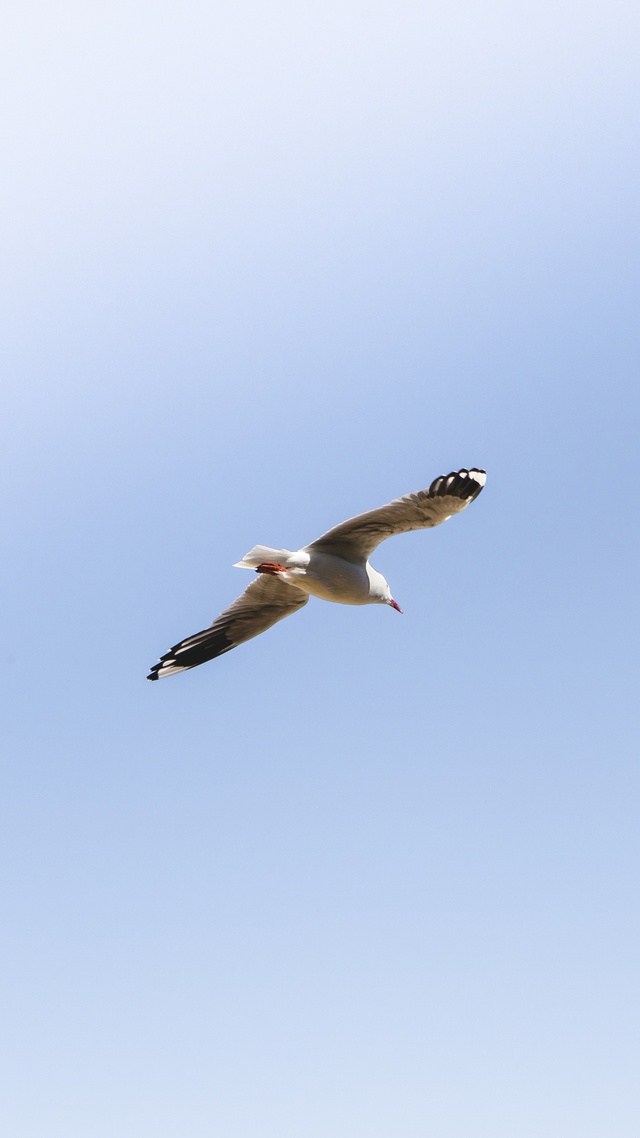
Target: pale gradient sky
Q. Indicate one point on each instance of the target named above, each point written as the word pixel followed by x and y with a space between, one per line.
pixel 268 265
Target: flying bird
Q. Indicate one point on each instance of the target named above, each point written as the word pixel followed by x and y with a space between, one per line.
pixel 335 567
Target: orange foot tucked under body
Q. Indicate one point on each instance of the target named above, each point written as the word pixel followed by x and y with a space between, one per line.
pixel 270 567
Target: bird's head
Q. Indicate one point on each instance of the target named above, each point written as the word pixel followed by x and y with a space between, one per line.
pixel 379 591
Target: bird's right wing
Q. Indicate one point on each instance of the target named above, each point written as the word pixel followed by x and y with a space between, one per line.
pixel 356 539
pixel 266 601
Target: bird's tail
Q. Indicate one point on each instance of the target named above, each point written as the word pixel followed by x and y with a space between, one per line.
pixel 261 554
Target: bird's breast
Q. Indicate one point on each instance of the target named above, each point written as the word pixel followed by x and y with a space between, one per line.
pixel 332 579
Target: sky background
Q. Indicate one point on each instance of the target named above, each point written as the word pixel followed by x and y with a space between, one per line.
pixel 267 265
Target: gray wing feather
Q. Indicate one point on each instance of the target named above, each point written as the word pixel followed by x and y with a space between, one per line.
pixel 266 601
pixel 357 538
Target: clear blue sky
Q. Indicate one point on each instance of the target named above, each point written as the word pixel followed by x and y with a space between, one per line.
pixel 268 265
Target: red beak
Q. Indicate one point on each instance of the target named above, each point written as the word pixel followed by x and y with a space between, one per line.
pixel 395 605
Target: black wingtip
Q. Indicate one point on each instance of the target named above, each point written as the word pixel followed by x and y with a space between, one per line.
pixel 205 645
pixel 478 478
pixel 465 484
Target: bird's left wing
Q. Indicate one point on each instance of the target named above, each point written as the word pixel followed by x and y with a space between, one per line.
pixel 266 601
pixel 356 539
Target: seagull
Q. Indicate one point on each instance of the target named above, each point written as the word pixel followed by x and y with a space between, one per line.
pixel 335 567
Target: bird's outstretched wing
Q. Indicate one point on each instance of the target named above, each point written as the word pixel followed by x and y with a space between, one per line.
pixel 266 601
pixel 356 539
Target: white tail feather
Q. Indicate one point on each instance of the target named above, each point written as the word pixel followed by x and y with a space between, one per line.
pixel 261 553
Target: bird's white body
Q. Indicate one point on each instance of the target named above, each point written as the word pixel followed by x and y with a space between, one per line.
pixel 335 567
pixel 324 575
